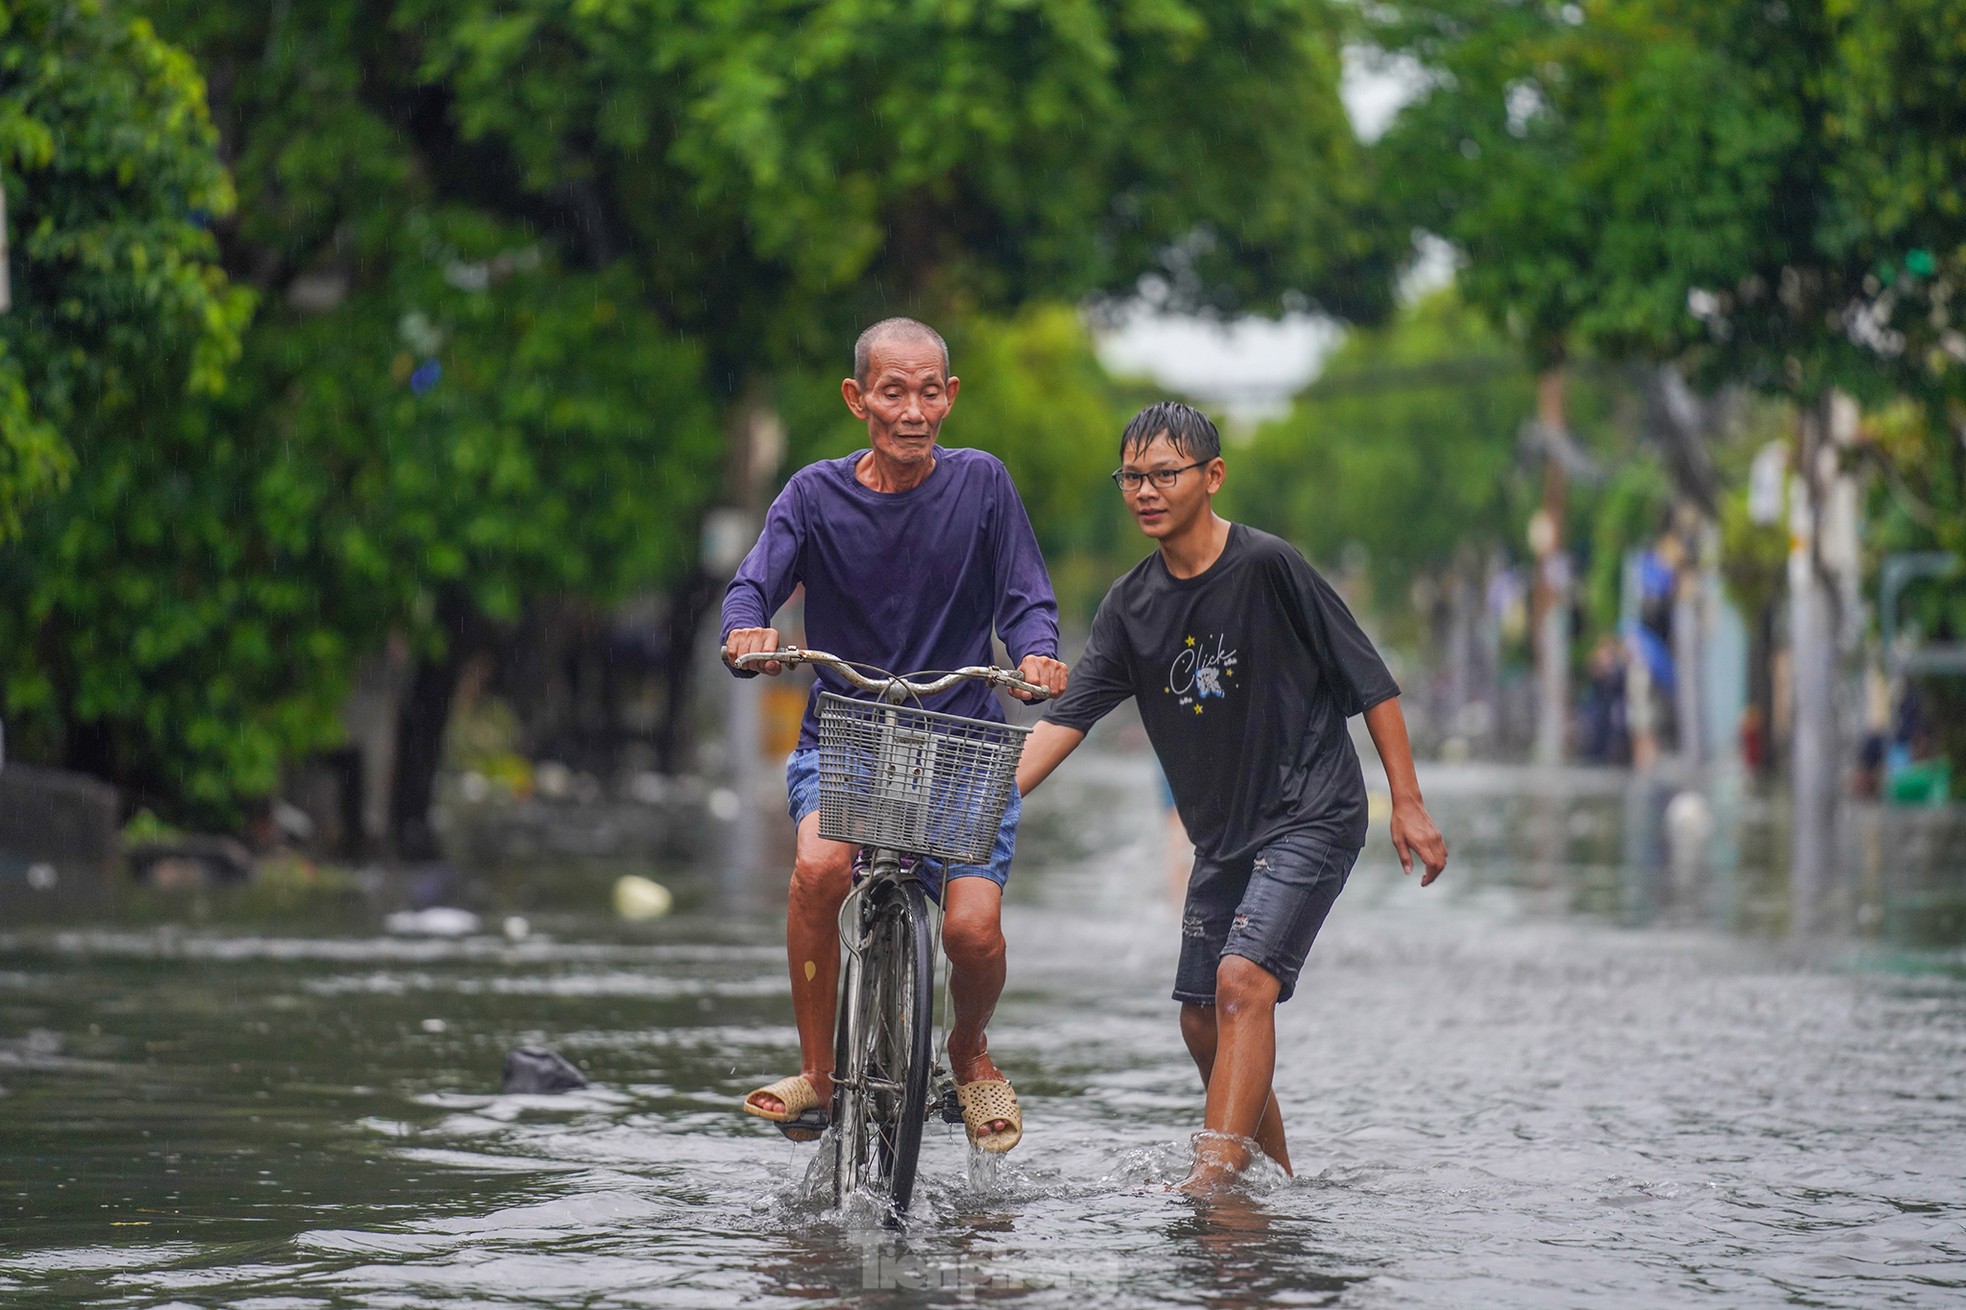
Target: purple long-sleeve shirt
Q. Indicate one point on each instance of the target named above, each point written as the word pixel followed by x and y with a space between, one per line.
pixel 907 580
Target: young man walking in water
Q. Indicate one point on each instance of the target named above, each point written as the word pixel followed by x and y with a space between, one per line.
pixel 1246 665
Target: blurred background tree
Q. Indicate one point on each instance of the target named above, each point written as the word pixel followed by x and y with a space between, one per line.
pixel 1405 446
pixel 1795 235
pixel 518 263
pixel 1552 148
pixel 785 177
pixel 112 180
pixel 538 284
pixel 434 423
pixel 1404 466
pixel 477 432
pixel 119 310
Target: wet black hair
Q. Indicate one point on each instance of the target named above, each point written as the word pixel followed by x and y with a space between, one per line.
pixel 1188 430
pixel 893 329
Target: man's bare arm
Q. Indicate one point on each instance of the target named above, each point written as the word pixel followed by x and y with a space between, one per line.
pixel 1413 831
pixel 1044 750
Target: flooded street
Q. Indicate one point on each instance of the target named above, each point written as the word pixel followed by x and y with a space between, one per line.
pixel 1590 1067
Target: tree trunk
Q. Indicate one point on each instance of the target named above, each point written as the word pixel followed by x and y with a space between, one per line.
pixel 1815 753
pixel 692 601
pixel 420 723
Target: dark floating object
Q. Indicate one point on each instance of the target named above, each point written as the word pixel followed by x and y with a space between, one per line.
pixel 535 1069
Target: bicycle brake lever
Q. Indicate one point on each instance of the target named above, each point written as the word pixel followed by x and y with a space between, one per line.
pixel 790 657
pixel 1009 681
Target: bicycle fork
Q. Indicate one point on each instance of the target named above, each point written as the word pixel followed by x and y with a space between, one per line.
pixel 942 1096
pixel 850 1068
pixel 851 1073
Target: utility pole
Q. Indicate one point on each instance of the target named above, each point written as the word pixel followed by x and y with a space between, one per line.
pixel 1689 636
pixel 1550 597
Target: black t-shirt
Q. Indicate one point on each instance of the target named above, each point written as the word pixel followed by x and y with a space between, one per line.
pixel 1245 676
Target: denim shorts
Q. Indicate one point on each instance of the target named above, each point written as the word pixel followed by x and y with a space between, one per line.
pixel 802 798
pixel 1267 908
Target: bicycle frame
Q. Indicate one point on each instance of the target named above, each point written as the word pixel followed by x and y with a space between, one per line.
pixel 856 1089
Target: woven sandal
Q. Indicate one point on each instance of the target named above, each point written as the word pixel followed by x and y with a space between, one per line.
pixel 986 1100
pixel 802 1119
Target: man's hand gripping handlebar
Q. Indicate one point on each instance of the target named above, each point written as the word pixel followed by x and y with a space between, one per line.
pixel 896 690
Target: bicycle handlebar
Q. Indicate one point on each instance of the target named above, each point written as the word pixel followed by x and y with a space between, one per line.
pixel 894 690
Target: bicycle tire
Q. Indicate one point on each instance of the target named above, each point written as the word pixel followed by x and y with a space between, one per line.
pixel 887 1014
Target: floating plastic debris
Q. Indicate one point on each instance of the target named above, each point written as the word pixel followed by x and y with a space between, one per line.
pixel 639 898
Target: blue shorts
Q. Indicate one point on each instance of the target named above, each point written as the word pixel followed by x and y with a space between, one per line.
pixel 802 798
pixel 1266 907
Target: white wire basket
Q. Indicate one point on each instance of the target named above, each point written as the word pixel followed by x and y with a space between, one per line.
pixel 913 780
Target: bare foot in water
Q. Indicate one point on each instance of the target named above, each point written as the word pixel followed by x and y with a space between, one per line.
pixel 1219 1161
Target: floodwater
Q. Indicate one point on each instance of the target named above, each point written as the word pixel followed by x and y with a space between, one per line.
pixel 1590 1067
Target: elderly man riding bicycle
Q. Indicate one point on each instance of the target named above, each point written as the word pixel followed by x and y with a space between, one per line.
pixel 911 555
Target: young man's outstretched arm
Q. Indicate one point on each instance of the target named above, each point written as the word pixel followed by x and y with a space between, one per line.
pixel 1044 750
pixel 1413 831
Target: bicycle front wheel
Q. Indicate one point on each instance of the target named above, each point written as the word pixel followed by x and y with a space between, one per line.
pixel 885 1030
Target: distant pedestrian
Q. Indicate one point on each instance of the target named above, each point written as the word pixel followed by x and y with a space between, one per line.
pixel 1605 735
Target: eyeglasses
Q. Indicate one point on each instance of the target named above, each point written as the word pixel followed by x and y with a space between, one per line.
pixel 1163 479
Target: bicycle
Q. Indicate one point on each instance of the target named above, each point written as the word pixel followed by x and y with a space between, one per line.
pixel 904 784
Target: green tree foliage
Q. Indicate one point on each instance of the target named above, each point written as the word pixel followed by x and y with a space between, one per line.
pixel 435 422
pixel 471 404
pixel 487 422
pixel 1407 446
pixel 427 432
pixel 1804 229
pixel 1553 146
pixel 786 175
pixel 204 590
pixel 1860 242
pixel 1899 127
pixel 111 175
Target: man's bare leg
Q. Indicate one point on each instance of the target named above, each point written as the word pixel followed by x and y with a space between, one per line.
pixel 822 874
pixel 1241 1103
pixel 1198 1031
pixel 972 935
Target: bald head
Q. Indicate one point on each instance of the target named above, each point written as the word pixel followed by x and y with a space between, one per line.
pixel 895 331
